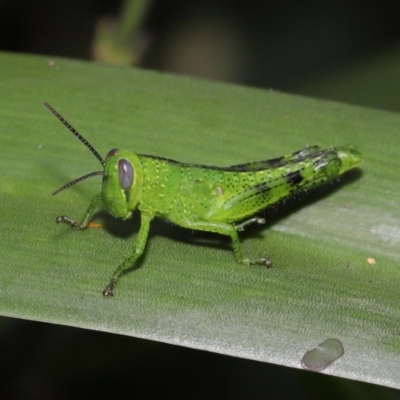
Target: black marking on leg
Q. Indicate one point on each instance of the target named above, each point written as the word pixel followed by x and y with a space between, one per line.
pixel 262 187
pixel 294 178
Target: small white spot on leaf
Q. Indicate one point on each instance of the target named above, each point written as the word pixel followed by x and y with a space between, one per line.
pixel 323 355
pixel 371 261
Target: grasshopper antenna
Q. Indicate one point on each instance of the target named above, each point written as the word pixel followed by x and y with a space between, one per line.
pixel 85 142
pixel 77 180
pixel 75 132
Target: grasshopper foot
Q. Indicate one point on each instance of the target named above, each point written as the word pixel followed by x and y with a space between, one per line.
pixel 68 220
pixel 255 220
pixel 108 290
pixel 262 261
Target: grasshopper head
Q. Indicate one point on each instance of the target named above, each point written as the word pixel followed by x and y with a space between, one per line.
pixel 121 183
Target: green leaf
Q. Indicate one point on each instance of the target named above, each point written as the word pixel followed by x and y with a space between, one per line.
pixel 187 289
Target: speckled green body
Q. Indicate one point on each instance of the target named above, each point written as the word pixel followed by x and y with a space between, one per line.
pixel 223 200
pixel 212 198
pixel 181 192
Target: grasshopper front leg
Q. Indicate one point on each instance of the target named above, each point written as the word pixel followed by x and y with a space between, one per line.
pixel 96 202
pixel 138 248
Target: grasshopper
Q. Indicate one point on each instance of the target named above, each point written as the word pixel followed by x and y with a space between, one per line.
pixel 223 200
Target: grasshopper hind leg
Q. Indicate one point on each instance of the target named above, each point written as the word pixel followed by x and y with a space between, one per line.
pixel 255 220
pixel 236 243
pixel 230 230
pixel 240 227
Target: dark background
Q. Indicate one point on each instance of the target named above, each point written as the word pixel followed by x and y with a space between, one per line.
pixel 282 44
pixel 296 47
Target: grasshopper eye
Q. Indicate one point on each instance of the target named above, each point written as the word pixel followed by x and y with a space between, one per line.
pixel 111 153
pixel 125 170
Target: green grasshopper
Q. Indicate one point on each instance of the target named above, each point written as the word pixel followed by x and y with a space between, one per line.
pixel 223 200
